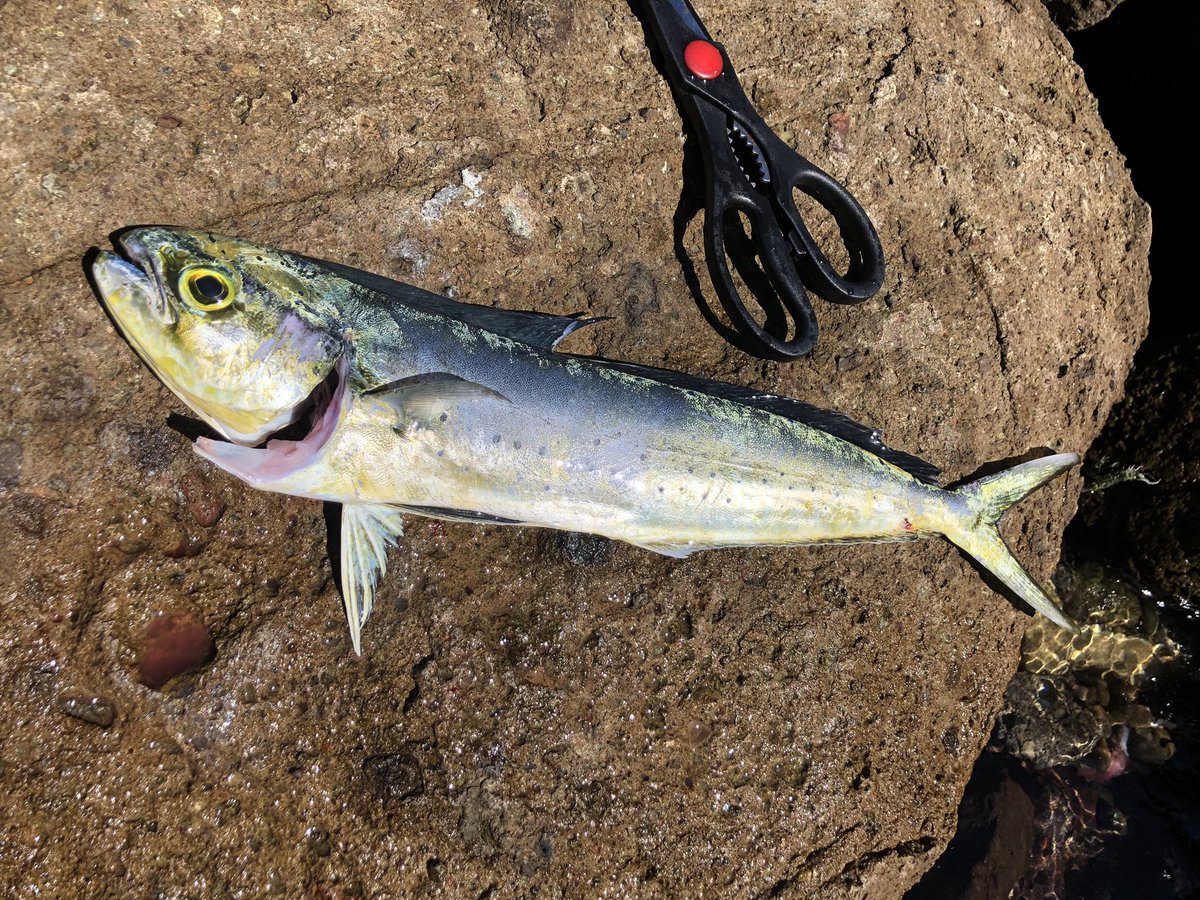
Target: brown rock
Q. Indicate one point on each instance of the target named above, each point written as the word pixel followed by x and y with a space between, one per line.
pixel 203 501
pixel 174 643
pixel 1014 301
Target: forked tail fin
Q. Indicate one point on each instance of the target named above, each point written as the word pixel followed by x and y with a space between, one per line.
pixel 978 533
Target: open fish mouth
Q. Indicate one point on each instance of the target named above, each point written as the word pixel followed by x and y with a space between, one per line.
pixel 292 447
pixel 131 288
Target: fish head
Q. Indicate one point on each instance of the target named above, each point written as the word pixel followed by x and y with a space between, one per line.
pixel 239 333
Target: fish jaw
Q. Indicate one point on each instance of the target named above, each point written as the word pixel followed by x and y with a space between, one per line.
pixel 280 459
pixel 138 309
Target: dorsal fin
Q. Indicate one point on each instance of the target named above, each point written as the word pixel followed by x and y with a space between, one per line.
pixel 833 423
pixel 534 328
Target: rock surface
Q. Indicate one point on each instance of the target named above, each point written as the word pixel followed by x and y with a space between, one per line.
pixel 529 714
pixel 1076 15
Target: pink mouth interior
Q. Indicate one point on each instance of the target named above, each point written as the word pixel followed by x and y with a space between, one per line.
pixel 281 457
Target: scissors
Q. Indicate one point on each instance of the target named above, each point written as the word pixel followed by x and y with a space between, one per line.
pixel 749 169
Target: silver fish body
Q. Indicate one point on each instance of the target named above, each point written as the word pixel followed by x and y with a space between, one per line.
pixel 442 409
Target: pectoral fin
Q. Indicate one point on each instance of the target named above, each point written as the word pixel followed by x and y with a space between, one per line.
pixel 431 395
pixel 368 530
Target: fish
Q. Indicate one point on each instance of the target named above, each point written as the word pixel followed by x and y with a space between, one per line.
pixel 326 382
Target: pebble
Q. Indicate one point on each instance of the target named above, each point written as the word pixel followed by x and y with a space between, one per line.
pixel 696 733
pixel 89 708
pixel 201 498
pixel 174 643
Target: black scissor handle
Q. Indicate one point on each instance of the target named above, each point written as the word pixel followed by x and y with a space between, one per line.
pixel 864 275
pixel 779 267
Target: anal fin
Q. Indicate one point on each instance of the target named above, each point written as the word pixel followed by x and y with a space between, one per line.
pixel 674 550
pixel 368 530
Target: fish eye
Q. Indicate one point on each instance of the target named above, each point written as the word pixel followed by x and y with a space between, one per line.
pixel 208 290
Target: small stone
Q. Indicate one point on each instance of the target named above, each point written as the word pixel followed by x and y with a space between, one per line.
pixel 435 869
pixel 950 741
pixel 89 708
pixel 168 122
pixel 174 643
pixel 202 499
pixel 839 130
pixel 519 215
pixel 697 733
pixel 180 546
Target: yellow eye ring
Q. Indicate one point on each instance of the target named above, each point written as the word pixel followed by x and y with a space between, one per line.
pixel 207 290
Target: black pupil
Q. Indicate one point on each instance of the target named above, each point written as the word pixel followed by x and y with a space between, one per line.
pixel 209 287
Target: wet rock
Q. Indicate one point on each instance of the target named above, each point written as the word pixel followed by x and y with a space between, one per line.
pixel 90 708
pixel 957 126
pixel 1147 526
pixel 1073 683
pixel 174 643
pixel 991 849
pixel 1045 724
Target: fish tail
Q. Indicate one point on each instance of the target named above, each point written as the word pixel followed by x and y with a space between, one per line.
pixel 978 531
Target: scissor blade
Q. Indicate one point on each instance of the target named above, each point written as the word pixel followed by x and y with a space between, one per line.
pixel 687 16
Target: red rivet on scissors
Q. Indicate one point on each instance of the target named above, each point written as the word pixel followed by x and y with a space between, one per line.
pixel 703 60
